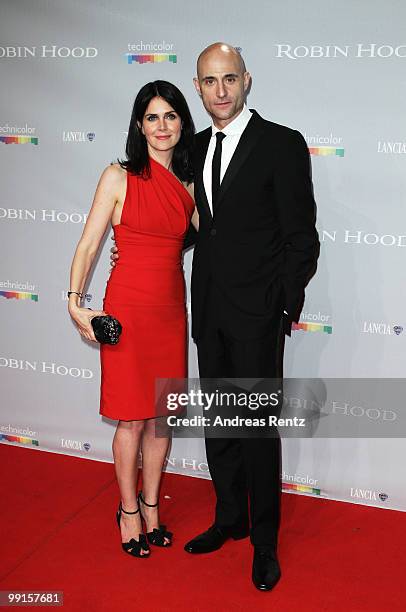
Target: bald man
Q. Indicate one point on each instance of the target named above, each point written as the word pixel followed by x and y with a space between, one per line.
pixel 255 251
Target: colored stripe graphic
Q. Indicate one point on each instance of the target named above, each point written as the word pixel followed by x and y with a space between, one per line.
pixel 289 486
pixel 323 151
pixel 313 327
pixel 18 295
pixel 19 140
pixel 20 439
pixel 155 58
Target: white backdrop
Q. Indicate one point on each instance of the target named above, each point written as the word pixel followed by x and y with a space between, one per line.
pixel 69 75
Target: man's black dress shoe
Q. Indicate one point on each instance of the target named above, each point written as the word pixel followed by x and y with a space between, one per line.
pixel 214 538
pixel 265 568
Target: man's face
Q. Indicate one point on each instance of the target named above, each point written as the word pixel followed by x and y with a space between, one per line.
pixel 222 84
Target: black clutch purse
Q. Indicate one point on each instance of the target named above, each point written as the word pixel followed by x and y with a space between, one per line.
pixel 107 329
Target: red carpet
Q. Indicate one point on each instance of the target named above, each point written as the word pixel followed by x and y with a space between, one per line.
pixel 59 533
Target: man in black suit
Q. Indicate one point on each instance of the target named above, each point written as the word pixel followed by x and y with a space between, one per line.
pixel 255 251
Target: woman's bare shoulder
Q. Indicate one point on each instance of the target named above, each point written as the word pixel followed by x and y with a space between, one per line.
pixel 113 178
pixel 115 172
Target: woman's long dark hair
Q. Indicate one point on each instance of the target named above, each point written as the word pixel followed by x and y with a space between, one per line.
pixel 136 148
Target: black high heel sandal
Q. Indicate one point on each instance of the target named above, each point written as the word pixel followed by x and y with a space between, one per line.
pixel 156 536
pixel 132 547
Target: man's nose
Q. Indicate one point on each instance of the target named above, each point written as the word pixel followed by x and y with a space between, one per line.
pixel 221 90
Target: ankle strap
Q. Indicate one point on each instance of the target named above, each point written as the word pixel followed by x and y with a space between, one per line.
pixel 125 511
pixel 145 503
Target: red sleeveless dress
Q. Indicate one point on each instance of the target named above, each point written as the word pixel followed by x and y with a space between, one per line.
pixel 146 293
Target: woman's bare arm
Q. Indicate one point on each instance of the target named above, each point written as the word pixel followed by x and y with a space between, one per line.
pixel 105 199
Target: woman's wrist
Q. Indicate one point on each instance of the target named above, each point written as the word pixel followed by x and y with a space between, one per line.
pixel 74 298
pixel 73 303
pixel 78 293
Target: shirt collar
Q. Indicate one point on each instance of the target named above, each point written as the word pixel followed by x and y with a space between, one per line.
pixel 237 125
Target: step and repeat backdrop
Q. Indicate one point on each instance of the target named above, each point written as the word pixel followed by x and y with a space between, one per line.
pixel 335 72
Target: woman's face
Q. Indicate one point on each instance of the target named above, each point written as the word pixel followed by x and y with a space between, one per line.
pixel 161 125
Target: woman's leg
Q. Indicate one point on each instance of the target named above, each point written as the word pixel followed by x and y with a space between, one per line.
pixel 154 450
pixel 126 445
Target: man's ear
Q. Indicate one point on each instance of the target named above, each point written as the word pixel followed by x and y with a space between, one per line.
pixel 247 80
pixel 197 85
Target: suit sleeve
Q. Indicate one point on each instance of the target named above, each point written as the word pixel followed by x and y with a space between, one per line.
pixel 297 216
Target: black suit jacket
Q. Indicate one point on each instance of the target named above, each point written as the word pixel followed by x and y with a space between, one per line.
pixel 261 247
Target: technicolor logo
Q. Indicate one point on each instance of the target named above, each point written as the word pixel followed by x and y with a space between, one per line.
pixel 324 145
pixel 19 139
pixel 155 58
pixel 312 327
pixel 290 486
pixel 151 53
pixel 302 484
pixel 311 322
pixel 19 439
pixel 324 151
pixel 19 295
pixel 14 134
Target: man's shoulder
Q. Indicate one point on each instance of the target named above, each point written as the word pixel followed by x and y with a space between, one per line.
pixel 282 131
pixel 282 136
pixel 257 118
pixel 277 131
pixel 203 134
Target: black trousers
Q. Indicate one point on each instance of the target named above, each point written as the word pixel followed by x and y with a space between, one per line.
pixel 246 472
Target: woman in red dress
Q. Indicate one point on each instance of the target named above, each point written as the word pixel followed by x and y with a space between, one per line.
pixel 148 199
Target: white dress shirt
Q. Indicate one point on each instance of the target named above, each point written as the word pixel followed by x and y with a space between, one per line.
pixel 233 132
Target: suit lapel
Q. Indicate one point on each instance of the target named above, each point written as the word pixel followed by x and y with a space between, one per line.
pixel 202 143
pixel 245 145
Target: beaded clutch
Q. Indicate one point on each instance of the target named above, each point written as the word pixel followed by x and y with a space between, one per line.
pixel 107 329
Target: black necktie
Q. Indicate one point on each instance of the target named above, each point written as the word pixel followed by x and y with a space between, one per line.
pixel 215 170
